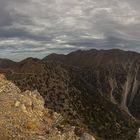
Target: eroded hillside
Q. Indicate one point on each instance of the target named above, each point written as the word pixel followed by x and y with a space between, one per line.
pixel 115 74
pixel 23 117
pixel 66 91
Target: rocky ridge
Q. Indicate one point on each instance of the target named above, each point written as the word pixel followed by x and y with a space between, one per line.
pixel 87 88
pixel 23 117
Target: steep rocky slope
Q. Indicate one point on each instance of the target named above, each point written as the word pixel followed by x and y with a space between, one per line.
pixel 66 90
pixel 23 117
pixel 115 74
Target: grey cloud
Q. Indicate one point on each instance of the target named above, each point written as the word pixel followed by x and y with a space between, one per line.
pixel 5 18
pixel 22 33
pixel 37 28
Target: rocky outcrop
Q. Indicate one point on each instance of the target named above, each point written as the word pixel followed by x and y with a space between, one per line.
pixel 86 136
pixel 23 117
pixel 21 113
pixel 138 135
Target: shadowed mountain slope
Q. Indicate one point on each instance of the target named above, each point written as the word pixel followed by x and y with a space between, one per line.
pixel 80 94
pixel 6 63
pixel 114 73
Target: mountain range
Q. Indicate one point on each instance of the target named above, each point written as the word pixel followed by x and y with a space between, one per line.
pixel 97 91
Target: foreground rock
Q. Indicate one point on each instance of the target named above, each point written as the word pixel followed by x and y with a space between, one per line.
pixel 23 117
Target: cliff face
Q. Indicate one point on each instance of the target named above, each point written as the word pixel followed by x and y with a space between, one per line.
pixel 115 74
pixel 23 117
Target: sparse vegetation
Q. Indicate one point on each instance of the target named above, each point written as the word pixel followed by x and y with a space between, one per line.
pixel 81 91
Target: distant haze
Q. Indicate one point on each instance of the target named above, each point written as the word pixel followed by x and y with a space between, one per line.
pixel 36 28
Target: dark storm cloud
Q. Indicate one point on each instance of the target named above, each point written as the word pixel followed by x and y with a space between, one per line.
pixel 22 33
pixel 37 28
pixel 5 18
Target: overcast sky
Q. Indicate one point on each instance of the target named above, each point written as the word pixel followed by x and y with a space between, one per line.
pixel 39 27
